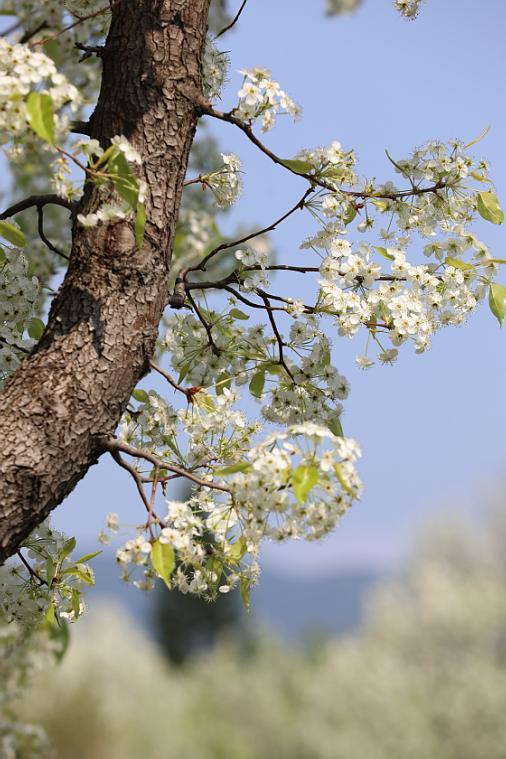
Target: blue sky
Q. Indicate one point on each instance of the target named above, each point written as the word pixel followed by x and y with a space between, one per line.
pixel 432 426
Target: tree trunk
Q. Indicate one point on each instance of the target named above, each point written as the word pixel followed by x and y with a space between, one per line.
pixel 71 391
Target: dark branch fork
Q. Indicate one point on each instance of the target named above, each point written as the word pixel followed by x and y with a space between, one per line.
pixel 114 445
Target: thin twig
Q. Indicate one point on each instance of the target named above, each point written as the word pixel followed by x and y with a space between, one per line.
pixel 113 444
pixel 138 482
pixel 80 20
pixel 278 336
pixel 18 347
pixel 262 293
pixel 189 392
pixel 234 20
pixel 38 201
pixel 251 303
pixel 205 324
pixel 225 245
pixel 197 180
pixel 32 571
pixel 27 36
pixel 152 503
pixel 229 117
pixel 48 243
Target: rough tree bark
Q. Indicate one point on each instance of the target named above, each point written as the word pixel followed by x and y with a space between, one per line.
pixel 71 391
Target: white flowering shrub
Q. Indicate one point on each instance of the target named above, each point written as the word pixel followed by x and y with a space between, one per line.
pixel 424 676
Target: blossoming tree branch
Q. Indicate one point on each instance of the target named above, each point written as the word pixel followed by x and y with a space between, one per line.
pixel 99 107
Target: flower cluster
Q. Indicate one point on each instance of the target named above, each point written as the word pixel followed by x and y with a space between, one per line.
pixel 18 297
pixel 260 97
pixel 23 71
pixel 214 70
pixel 408 8
pixel 225 183
pixel 48 583
pixel 293 484
pixel 24 654
pixel 294 487
pixel 410 300
pixel 111 169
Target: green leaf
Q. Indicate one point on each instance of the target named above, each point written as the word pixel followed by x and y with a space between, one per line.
pixel 458 264
pixel 304 478
pixel 50 571
pixel 123 180
pixel 240 466
pixel 477 139
pixel 257 383
pixel 140 395
pixel 297 165
pixel 245 588
pixel 59 632
pixel 68 547
pixel 82 572
pixel 237 314
pixel 36 328
pixel 238 549
pixel 223 381
pixel 53 50
pixel 497 301
pixel 103 160
pixel 12 234
pixel 381 205
pixel 183 372
pixel 397 166
pixel 40 113
pixel 50 615
pixel 214 564
pixel 75 602
pixel 326 357
pixel 350 214
pixel 339 474
pixel 493 261
pixel 274 369
pixel 479 177
pixel 87 557
pixel 163 560
pixel 206 401
pixel 140 224
pixel 383 252
pixel 335 426
pixel 488 207
pixel 127 190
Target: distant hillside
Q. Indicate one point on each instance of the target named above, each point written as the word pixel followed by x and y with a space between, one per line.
pixel 299 607
pixel 293 608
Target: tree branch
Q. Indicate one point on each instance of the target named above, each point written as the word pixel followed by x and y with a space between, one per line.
pixel 113 444
pixel 234 20
pixel 225 245
pixel 79 20
pixel 37 201
pixel 138 483
pixel 207 110
pixel 277 335
pixel 48 243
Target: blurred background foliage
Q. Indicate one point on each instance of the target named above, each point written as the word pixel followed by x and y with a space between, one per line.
pixel 423 677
